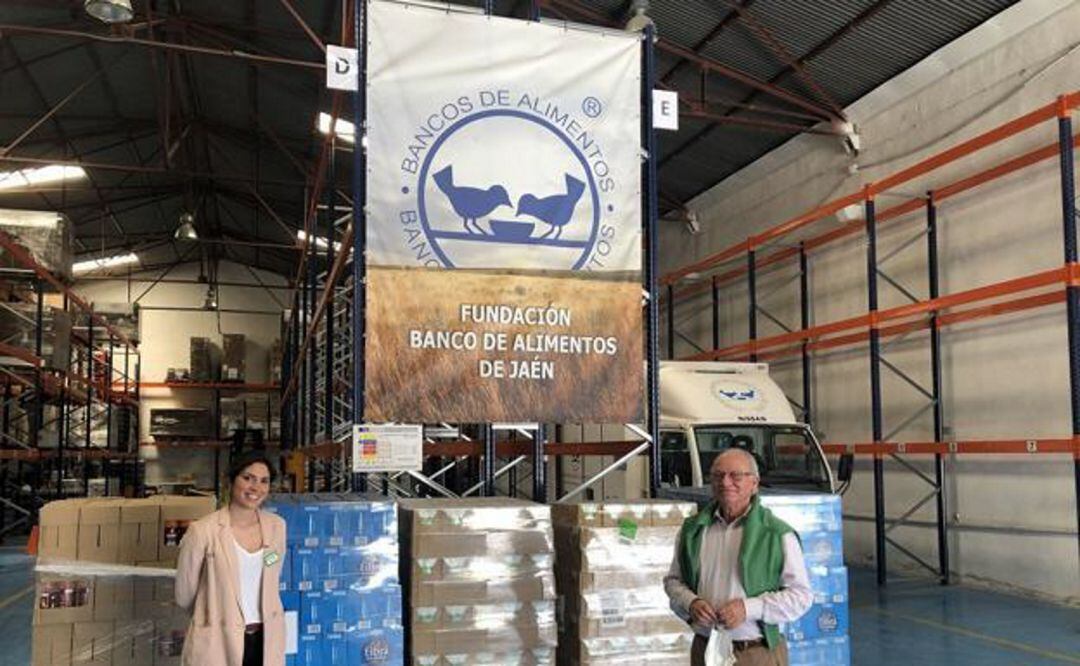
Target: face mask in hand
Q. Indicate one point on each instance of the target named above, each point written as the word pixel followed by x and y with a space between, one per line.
pixel 719 651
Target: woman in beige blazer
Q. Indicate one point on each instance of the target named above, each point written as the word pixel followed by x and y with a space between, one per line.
pixel 227 576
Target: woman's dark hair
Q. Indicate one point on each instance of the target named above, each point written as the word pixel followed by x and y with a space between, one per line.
pixel 242 462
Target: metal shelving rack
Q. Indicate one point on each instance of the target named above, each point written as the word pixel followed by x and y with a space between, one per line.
pixel 100 375
pixel 933 313
pixel 322 389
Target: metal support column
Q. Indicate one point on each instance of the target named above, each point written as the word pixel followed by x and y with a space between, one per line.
pixel 875 386
pixel 671 322
pixel 359 192
pixel 1072 291
pixel 715 314
pixel 751 298
pixel 649 194
pixel 487 437
pixel 804 321
pixel 108 410
pixel 37 407
pixel 310 280
pixel 539 467
pixel 328 371
pixel 89 400
pixel 935 390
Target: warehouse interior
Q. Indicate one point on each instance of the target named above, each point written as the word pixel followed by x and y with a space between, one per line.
pixel 876 198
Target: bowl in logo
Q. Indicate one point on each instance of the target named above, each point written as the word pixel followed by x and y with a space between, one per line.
pixel 377 650
pixel 511 229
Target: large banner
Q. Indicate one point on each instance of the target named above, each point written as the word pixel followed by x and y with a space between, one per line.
pixel 504 220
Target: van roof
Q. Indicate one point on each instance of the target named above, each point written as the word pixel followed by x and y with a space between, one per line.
pixel 705 392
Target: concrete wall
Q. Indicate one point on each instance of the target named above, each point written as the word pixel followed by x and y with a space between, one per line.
pixel 165 335
pixel 1014 518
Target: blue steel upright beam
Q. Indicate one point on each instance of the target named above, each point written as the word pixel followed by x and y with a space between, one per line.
pixel 359 249
pixel 1072 291
pixel 935 378
pixel 875 387
pixel 649 208
pixel 328 315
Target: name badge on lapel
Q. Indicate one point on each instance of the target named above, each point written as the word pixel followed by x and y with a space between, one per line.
pixel 270 558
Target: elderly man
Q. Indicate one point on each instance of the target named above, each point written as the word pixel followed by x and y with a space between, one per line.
pixel 738 566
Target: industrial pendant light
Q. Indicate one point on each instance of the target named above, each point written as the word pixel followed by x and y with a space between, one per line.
pixel 110 11
pixel 186 229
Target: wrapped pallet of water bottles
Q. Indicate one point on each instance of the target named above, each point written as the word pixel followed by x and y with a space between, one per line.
pixel 820 637
pixel 340 586
pixel 610 558
pixel 479 584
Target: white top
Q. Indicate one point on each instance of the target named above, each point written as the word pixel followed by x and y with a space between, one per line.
pixel 720 582
pixel 251 573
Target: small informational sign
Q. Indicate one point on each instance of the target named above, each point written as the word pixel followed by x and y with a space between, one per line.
pixel 387 448
pixel 665 109
pixel 342 64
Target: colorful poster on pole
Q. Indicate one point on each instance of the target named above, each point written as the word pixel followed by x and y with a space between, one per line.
pixel 387 448
pixel 504 220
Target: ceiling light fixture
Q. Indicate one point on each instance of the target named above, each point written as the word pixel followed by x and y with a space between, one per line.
pixel 23 178
pixel 320 241
pixel 211 299
pixel 92 265
pixel 186 229
pixel 110 11
pixel 639 20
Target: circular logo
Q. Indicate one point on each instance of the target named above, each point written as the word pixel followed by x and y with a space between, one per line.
pixel 827 621
pixel 737 395
pixel 504 182
pixel 377 650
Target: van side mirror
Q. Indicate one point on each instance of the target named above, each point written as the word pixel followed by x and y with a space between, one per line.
pixel 846 467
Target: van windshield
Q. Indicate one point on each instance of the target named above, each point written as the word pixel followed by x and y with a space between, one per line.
pixel 786 456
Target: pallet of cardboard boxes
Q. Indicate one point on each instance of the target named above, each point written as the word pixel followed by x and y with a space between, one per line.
pixel 101 595
pixel 478 582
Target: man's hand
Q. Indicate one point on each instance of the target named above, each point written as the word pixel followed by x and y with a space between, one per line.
pixel 703 613
pixel 732 614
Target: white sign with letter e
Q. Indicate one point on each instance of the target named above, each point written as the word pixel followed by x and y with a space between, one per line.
pixel 342 66
pixel 665 104
pixel 387 448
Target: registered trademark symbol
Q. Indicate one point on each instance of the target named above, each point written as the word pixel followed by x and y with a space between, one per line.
pixel 592 107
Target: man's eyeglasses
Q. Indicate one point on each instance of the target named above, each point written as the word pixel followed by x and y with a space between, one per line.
pixel 736 477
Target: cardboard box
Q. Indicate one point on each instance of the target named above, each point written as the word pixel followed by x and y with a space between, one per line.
pixel 114 598
pixel 92 643
pixel 205 360
pixel 155 598
pixel 99 531
pixel 168 643
pixel 233 358
pixel 51 645
pixel 140 524
pixel 177 513
pixel 63 599
pixel 134 643
pixel 59 529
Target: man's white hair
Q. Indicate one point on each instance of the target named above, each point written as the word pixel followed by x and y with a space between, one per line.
pixel 746 455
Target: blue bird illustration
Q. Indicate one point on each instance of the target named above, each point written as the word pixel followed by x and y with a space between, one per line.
pixel 555 210
pixel 471 202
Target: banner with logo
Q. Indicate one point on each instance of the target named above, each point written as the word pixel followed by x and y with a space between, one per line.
pixel 504 220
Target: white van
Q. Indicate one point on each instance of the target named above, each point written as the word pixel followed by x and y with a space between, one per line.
pixel 708 407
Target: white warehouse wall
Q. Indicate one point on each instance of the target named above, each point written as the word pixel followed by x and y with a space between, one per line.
pixel 1013 517
pixel 165 343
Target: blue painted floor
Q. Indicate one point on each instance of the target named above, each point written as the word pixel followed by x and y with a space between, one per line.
pixel 911 621
pixel 916 621
pixel 16 605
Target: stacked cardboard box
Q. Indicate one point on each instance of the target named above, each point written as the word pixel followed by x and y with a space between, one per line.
pixel 819 638
pixel 340 584
pixel 91 608
pixel 478 582
pixel 205 360
pixel 173 423
pixel 611 559
pixel 107 619
pixel 138 532
pixel 234 357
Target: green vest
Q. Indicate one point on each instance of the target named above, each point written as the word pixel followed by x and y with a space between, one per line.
pixel 761 555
